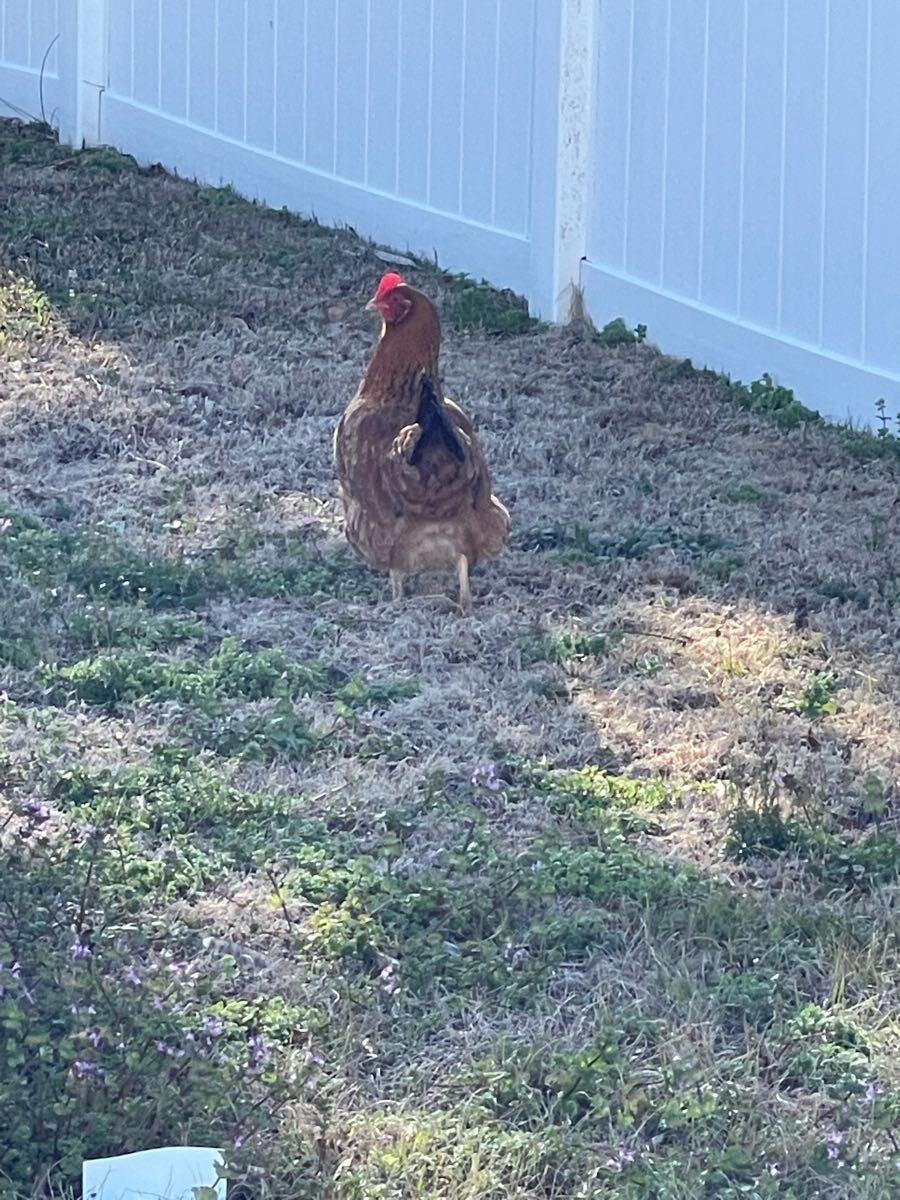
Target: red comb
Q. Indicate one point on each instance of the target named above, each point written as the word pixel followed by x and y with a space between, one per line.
pixel 388 282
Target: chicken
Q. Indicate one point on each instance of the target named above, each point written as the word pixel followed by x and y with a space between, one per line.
pixel 414 482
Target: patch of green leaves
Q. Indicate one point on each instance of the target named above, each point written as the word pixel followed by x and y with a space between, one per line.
pixel 98 566
pixel 617 333
pixel 262 735
pixel 742 493
pixel 778 403
pixel 176 826
pixel 817 700
pixel 578 544
pixel 565 647
pixel 591 789
pixel 471 305
pixel 764 830
pixel 30 144
pixel 118 1032
pixel 109 681
pixel 24 311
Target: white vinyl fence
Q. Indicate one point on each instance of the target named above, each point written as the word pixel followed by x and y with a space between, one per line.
pixel 724 171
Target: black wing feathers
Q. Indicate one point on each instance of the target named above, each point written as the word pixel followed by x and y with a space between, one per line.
pixel 437 429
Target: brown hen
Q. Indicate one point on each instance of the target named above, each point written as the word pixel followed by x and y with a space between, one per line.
pixel 414 482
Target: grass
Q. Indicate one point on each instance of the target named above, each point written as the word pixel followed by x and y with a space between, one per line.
pixel 592 895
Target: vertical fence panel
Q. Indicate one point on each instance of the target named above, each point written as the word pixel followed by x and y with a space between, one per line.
pixel 845 180
pixel 803 189
pixel 173 57
pixel 16 47
pixel 446 105
pixel 477 118
pixel 44 28
pixel 145 51
pixel 606 227
pixel 30 86
pixel 202 43
pixel 352 95
pixel 647 143
pixel 881 330
pixel 261 78
pixel 761 167
pixel 754 189
pixel 290 73
pixel 385 70
pixel 721 187
pixel 320 83
pixel 230 62
pixel 415 57
pixel 685 96
pixel 514 144
pixel 120 49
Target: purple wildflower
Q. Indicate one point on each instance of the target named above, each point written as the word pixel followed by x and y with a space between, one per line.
pixel 260 1052
pixel 83 1069
pixel 212 1027
pixel 388 977
pixel 622 1158
pixel 170 1051
pixel 80 948
pixel 485 775
pixel 873 1091
pixel 834 1143
pixel 35 810
pixel 94 1036
pixel 132 976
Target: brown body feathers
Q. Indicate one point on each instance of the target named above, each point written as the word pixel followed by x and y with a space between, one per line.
pixel 414 482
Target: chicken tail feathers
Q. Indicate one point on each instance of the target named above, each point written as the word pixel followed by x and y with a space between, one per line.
pixel 437 429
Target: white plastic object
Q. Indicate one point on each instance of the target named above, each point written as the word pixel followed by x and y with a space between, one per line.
pixel 168 1173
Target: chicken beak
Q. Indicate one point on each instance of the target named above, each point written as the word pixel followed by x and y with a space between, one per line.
pixel 373 306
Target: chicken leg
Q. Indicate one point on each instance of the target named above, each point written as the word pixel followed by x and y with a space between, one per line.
pixel 465 592
pixel 397 578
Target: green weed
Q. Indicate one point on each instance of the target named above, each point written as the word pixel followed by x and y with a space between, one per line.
pixel 817 700
pixel 98 566
pixel 765 396
pixel 471 305
pixel 617 333
pixel 565 647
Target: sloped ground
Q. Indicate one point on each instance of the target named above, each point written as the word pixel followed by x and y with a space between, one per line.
pixel 593 894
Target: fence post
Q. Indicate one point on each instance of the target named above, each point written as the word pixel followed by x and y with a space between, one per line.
pixel 91 51
pixel 577 89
